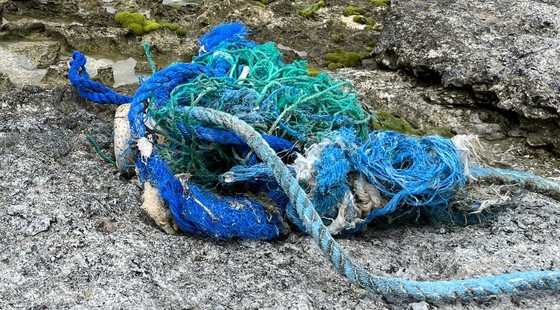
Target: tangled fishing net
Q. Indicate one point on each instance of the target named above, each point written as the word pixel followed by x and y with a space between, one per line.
pixel 315 123
pixel 277 99
pixel 239 144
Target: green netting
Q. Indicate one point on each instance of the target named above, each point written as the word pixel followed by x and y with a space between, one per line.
pixel 276 99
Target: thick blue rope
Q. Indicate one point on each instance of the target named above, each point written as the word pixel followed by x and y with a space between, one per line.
pixel 197 211
pixel 91 90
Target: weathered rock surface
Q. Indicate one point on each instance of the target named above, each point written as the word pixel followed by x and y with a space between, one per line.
pixel 72 234
pixel 426 107
pixel 5 83
pixel 40 54
pixel 505 51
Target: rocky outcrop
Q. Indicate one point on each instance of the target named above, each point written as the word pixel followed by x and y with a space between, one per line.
pixel 505 52
pixel 40 54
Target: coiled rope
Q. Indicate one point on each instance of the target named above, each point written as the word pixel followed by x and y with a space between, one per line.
pixel 411 174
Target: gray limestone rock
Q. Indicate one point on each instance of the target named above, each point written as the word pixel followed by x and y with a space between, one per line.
pixel 506 51
pixel 40 54
pixel 5 82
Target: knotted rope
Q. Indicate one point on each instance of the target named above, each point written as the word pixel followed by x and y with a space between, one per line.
pixel 348 174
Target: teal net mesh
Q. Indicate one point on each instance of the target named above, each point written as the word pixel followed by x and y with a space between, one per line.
pixel 276 99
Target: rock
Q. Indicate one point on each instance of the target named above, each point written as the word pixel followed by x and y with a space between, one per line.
pixel 105 75
pixel 172 45
pixel 542 134
pixel 105 225
pixel 56 75
pixel 37 225
pixel 426 108
pixel 506 51
pixel 420 306
pixel 5 83
pixel 41 54
pixel 254 17
pixel 18 210
pixel 78 36
pixel 18 69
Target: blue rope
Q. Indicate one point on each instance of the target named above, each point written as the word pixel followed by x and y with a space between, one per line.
pixel 422 173
pixel 91 90
pixel 197 211
pixel 527 181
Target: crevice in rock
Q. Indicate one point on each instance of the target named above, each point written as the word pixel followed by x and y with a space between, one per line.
pixel 538 133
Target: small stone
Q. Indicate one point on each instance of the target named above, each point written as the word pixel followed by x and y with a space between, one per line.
pixel 420 306
pixel 105 75
pixel 5 140
pixel 536 140
pixel 5 82
pixel 38 224
pixel 20 209
pixel 105 225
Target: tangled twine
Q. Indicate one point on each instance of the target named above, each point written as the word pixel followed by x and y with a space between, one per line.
pixel 230 113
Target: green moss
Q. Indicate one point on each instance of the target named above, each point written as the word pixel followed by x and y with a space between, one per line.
pixel 181 32
pixel 371 43
pixel 353 10
pixel 170 26
pixel 333 66
pixel 137 29
pixel 364 20
pixel 312 71
pixel 139 25
pixel 136 22
pixel 381 3
pixel 369 27
pixel 336 38
pixel 341 58
pixel 359 20
pixel 371 21
pixel 127 18
pixel 260 4
pixel 388 121
pixel 308 11
pixel 150 25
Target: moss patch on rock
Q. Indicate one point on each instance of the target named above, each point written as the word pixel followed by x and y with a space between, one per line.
pixel 336 38
pixel 353 10
pixel 342 58
pixel 312 71
pixel 139 25
pixel 381 3
pixel 388 121
pixel 308 11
